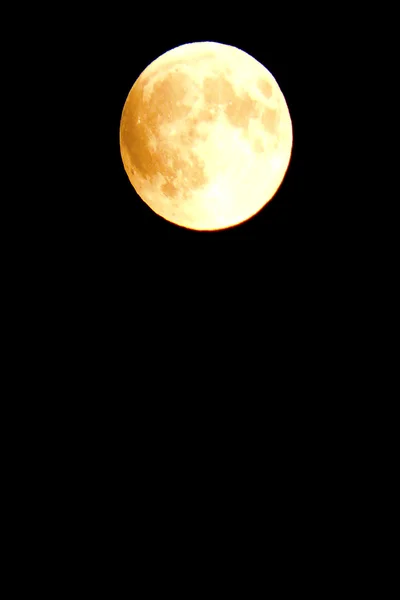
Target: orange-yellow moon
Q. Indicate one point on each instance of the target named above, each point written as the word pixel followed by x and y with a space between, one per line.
pixel 206 136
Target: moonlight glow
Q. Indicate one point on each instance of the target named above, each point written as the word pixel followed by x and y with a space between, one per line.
pixel 206 136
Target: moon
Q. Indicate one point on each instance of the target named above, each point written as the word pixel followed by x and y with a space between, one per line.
pixel 206 136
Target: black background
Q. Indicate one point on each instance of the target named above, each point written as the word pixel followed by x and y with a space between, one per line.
pixel 209 321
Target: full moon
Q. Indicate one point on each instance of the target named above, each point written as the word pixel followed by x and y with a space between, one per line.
pixel 206 136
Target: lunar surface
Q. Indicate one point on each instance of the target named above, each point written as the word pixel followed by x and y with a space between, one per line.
pixel 206 136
